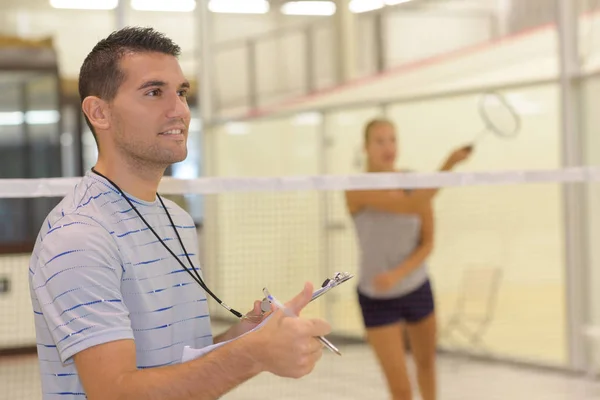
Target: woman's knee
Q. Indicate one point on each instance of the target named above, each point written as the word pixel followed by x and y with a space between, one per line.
pixel 402 393
pixel 425 363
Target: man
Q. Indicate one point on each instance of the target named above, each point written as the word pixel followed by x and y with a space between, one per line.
pixel 114 274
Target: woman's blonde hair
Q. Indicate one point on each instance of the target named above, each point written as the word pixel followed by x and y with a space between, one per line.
pixel 372 123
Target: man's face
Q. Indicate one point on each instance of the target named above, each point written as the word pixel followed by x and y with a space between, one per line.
pixel 150 116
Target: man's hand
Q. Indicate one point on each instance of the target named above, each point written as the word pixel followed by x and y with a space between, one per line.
pixel 249 321
pixel 288 345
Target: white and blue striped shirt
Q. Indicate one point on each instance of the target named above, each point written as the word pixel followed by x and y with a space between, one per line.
pixel 98 274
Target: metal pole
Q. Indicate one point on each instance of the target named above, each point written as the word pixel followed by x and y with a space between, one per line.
pixel 379 37
pixel 573 194
pixel 28 156
pixel 252 75
pixel 204 62
pixel 120 17
pixel 211 266
pixel 345 46
pixel 327 258
pixel 309 54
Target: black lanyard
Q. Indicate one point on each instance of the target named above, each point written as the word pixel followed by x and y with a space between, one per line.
pixel 195 277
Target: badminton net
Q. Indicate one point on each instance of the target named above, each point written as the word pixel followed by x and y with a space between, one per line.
pixel 497 267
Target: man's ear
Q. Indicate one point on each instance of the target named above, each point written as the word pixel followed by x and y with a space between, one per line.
pixel 96 110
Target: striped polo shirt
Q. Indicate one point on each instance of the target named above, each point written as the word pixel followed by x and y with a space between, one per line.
pixel 98 274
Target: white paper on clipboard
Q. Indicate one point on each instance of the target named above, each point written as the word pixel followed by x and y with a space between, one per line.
pixel 189 353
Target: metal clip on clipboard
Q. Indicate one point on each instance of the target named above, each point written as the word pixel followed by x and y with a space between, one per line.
pixel 330 283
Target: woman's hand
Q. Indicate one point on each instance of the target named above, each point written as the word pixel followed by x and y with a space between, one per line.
pixel 386 280
pixel 458 156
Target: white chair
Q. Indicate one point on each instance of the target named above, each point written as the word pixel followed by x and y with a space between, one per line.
pixel 475 306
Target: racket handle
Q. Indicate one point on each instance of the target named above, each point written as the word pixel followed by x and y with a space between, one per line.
pixel 478 137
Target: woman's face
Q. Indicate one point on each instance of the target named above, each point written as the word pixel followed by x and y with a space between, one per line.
pixel 381 147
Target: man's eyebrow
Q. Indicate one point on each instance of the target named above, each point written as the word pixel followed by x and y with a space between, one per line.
pixel 155 83
pixel 148 84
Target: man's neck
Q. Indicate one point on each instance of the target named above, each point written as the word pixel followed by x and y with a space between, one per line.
pixel 137 181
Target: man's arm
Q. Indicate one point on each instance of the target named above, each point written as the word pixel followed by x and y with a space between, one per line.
pixel 255 317
pixel 109 372
pixel 283 346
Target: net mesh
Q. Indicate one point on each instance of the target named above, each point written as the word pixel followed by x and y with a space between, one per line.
pixel 499 245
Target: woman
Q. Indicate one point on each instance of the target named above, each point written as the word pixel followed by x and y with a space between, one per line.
pixel 395 230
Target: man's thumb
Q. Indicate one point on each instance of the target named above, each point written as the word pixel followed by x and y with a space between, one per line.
pixel 297 304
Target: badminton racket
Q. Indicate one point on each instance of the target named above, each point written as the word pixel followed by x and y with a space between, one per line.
pixel 499 118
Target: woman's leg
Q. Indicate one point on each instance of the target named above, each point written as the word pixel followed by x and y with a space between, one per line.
pixel 388 343
pixel 422 337
pixel 421 328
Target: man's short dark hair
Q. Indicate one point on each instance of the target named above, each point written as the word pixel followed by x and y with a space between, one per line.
pixel 101 75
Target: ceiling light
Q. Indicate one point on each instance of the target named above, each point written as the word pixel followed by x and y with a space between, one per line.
pixel 34 117
pixel 394 2
pixel 85 4
pixel 164 5
pixel 361 6
pixel 308 8
pixel 239 6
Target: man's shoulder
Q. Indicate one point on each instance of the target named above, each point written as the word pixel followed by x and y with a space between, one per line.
pixel 177 210
pixel 84 209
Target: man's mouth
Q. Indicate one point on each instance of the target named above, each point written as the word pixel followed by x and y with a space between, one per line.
pixel 172 132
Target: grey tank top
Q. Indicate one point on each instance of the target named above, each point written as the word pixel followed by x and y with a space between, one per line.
pixel 385 240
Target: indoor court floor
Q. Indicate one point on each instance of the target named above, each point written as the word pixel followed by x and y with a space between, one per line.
pixel 356 376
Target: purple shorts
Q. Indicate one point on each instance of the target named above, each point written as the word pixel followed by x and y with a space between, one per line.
pixel 410 308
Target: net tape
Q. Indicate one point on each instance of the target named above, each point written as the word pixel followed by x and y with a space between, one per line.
pixel 58 187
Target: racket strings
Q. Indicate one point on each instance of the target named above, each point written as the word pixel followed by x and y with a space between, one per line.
pixel 499 116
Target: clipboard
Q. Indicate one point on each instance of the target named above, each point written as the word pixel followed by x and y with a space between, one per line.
pixel 329 283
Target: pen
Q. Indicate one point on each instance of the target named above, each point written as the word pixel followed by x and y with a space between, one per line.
pixel 289 313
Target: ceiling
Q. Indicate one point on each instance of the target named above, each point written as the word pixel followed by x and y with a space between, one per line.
pixel 45 4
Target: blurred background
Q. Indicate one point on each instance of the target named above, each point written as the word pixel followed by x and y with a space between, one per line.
pixel 284 88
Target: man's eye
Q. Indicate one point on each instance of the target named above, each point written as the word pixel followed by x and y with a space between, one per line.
pixel 154 92
pixel 183 93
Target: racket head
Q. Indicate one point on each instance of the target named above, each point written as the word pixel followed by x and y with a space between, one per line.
pixel 498 115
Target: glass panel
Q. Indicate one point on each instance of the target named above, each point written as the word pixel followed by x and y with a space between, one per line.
pixel 44 149
pixel 270 147
pixel 191 167
pixel 455 121
pixel 30 148
pixel 590 120
pixel 516 231
pixel 345 133
pixel 263 239
pixel 14 227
